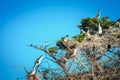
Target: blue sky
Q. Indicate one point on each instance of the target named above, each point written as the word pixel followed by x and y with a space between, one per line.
pixel 34 21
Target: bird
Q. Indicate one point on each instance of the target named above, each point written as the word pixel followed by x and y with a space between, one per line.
pixel 36 64
pixel 98 15
pixel 88 33
pixel 118 22
pixel 75 52
pixel 82 31
pixel 99 29
pixel 65 39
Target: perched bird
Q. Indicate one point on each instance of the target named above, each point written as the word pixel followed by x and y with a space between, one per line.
pixel 88 33
pixel 99 29
pixel 98 15
pixel 65 39
pixel 37 63
pixel 118 22
pixel 82 31
pixel 74 53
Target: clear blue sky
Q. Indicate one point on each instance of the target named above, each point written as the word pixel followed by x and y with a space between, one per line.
pixel 34 21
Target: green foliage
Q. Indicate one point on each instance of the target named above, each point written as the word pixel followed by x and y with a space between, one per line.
pixel 105 23
pixel 60 44
pixel 89 23
pixel 59 41
pixel 52 50
pixel 79 37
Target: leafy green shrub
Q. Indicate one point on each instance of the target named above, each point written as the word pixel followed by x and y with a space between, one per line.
pixel 79 37
pixel 52 50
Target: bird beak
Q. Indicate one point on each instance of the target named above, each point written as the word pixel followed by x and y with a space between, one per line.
pixel 40 58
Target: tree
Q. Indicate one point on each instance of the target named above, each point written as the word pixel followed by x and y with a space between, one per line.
pixel 91 24
pixel 105 23
pixel 84 60
pixel 95 57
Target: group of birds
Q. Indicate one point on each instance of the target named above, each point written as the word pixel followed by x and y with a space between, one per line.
pixel 72 52
pixel 99 26
pixel 66 39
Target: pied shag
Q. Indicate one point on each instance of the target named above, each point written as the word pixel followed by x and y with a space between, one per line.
pixel 99 29
pixel 36 65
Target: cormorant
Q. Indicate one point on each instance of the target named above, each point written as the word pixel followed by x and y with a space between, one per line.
pixel 65 39
pixel 118 22
pixel 98 15
pixel 88 33
pixel 99 29
pixel 37 63
pixel 82 31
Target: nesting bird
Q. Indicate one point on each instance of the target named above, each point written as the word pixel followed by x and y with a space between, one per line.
pixel 88 33
pixel 99 29
pixel 118 24
pixel 37 63
pixel 82 31
pixel 65 39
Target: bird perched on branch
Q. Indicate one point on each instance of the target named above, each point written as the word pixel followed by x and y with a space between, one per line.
pixel 98 15
pixel 88 33
pixel 99 29
pixel 82 31
pixel 32 75
pixel 118 22
pixel 36 65
pixel 65 39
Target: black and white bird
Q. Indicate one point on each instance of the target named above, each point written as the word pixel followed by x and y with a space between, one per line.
pixel 82 31
pixel 36 65
pixel 65 39
pixel 88 33
pixel 118 22
pixel 98 15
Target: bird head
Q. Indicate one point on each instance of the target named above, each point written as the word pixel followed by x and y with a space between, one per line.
pixel 37 62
